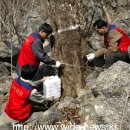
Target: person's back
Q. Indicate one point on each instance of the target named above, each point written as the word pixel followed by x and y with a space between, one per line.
pixel 18 107
pixel 114 34
pixel 26 55
pixel 22 95
pixel 32 51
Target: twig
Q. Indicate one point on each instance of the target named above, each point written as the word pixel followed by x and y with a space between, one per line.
pixel 124 22
pixel 66 115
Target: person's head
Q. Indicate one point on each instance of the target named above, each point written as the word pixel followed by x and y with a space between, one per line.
pixel 28 72
pixel 100 26
pixel 44 30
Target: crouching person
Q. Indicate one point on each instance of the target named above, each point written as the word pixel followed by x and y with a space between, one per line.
pixel 116 44
pixel 22 96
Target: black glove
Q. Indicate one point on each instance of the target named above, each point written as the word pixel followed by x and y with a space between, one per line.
pixel 84 59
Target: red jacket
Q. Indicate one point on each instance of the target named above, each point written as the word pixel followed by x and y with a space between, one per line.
pixel 124 42
pixel 26 55
pixel 18 106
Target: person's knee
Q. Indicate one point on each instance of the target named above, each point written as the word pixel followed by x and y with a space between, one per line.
pixel 109 59
pixel 108 56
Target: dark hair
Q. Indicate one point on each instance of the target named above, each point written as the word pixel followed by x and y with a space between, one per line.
pixel 28 72
pixel 45 28
pixel 100 23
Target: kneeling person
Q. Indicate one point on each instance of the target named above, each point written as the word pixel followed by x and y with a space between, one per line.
pixel 116 42
pixel 22 95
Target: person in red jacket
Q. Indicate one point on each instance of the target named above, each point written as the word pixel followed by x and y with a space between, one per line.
pixel 32 51
pixel 116 43
pixel 22 95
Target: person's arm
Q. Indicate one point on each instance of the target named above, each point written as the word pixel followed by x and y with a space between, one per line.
pixel 40 54
pixel 37 82
pixel 35 96
pixel 100 52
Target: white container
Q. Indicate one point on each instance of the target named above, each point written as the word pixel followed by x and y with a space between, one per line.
pixel 52 87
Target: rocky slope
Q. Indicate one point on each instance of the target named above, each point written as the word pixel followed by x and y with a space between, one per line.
pixel 74 36
pixel 105 105
pixel 103 98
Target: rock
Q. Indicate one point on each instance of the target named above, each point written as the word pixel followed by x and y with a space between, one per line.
pixel 5 50
pixel 31 22
pixel 87 113
pixel 50 116
pixel 114 80
pixel 67 102
pixel 111 105
pixel 33 18
pixel 103 111
pixel 81 93
pixel 91 78
pixel 3 70
pixel 6 127
pixel 124 21
pixel 5 82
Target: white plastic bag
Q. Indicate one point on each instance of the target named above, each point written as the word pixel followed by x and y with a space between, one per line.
pixel 52 87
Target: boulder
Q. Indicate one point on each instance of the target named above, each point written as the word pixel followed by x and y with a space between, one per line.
pixel 5 82
pixel 114 80
pixel 6 51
